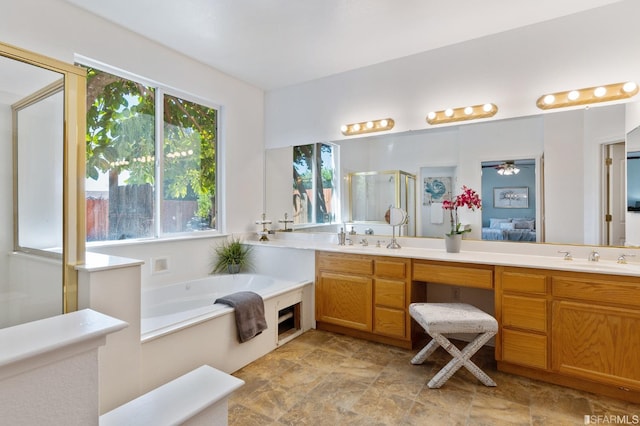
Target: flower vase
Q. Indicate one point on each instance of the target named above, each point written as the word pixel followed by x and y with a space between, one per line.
pixel 453 242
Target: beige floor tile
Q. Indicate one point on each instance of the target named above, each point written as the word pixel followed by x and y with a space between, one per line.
pixel 240 415
pixel 322 378
pixel 382 406
pixel 489 410
pixel 428 414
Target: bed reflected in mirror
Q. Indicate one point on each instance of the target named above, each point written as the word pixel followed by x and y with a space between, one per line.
pixel 509 202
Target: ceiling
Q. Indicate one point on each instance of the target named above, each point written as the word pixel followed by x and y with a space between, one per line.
pixel 277 43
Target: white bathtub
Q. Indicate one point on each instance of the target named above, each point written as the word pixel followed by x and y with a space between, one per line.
pixel 182 329
pixel 169 308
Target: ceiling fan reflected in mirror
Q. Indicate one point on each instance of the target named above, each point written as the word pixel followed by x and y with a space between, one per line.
pixel 507 168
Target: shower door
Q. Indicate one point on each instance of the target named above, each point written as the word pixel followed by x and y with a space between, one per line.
pixel 41 225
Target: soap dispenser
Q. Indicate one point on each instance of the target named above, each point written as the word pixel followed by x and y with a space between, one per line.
pixel 341 237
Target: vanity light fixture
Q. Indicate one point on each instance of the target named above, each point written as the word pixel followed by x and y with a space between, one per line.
pixel 589 95
pixel 464 113
pixel 367 127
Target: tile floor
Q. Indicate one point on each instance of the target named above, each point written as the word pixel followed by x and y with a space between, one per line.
pixel 322 378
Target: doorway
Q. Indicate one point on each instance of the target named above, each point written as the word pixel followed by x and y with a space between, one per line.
pixel 614 198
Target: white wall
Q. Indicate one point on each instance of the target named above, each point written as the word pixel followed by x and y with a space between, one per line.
pixel 511 69
pixel 61 30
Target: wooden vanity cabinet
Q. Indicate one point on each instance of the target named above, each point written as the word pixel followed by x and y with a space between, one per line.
pixel 364 296
pixel 523 311
pixel 596 328
pixel 570 328
pixel 575 329
pixel 344 290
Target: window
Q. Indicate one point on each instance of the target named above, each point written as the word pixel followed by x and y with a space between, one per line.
pixel 151 160
pixel 315 190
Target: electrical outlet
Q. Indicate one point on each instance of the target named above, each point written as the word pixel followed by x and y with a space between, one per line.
pixel 455 293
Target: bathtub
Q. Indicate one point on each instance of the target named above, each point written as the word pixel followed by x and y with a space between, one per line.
pixel 182 328
pixel 172 307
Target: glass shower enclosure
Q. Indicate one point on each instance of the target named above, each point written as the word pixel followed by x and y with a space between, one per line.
pixel 371 194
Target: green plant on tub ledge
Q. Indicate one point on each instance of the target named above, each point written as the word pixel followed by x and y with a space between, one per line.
pixel 231 257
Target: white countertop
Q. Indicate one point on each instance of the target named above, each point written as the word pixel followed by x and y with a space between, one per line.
pixel 553 260
pixel 35 338
pixel 101 262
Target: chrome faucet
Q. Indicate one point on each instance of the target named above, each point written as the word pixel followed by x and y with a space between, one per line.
pixel 567 255
pixel 364 242
pixel 623 258
pixel 594 256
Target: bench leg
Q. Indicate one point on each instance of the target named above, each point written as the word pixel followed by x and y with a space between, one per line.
pixel 461 358
pixel 425 352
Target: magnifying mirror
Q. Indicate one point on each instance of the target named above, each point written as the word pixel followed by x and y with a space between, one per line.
pixel 395 217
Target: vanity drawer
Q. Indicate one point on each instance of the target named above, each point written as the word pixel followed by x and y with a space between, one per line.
pixel 524 349
pixel 389 322
pixel 598 290
pixel 391 268
pixel 477 277
pixel 339 262
pixel 389 293
pixel 527 313
pixel 524 282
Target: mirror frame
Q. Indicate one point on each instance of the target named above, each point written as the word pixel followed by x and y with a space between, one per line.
pixel 73 208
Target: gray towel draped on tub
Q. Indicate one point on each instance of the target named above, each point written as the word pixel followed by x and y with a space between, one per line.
pixel 249 311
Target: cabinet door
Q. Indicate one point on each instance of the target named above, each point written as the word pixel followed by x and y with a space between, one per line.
pixel 345 300
pixel 597 342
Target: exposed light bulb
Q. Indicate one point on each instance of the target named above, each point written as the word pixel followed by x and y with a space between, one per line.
pixel 431 115
pixel 599 92
pixel 487 107
pixel 356 127
pixel 369 124
pixel 343 128
pixel 549 99
pixel 448 112
pixel 629 87
pixel 573 95
pixel 384 123
pixel 468 110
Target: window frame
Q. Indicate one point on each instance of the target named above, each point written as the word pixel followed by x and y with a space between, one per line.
pixel 336 185
pixel 160 91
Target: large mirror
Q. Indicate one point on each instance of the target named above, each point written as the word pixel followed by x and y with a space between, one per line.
pixel 41 126
pixel 566 152
pixel 632 200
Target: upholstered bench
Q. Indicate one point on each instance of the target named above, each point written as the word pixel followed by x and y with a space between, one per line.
pixel 438 319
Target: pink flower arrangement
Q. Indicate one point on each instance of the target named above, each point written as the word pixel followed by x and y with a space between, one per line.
pixel 469 199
